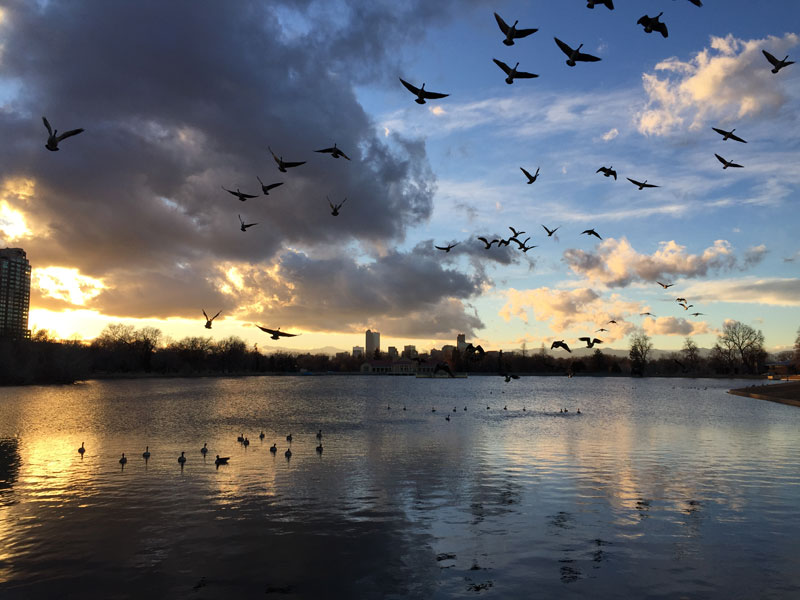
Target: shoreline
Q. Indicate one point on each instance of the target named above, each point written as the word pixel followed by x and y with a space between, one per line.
pixel 782 393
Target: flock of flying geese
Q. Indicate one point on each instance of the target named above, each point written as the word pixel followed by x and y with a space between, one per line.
pixel 511 33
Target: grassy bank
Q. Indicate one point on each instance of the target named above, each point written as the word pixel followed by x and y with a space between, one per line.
pixel 785 393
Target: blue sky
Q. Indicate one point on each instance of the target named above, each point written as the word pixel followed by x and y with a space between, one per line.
pixel 128 223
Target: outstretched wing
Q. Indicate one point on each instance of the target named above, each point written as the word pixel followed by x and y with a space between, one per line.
pixel 585 339
pixel 771 58
pixel 649 185
pixel 433 95
pixel 205 315
pixel 586 57
pixel 521 33
pixel 733 136
pixel 661 28
pixel 564 48
pixel 328 150
pixel 525 75
pixel 289 165
pixel 596 341
pixel 47 124
pixel 409 87
pixel 273 185
pixel 214 317
pixel 69 133
pixel 241 195
pixel 502 65
pixel 720 159
pixel 274 156
pixel 528 175
pixel 284 334
pixel 501 24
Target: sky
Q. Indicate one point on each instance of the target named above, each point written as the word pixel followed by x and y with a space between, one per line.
pixel 128 221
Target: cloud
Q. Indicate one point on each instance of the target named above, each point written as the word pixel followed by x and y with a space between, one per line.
pixel 616 263
pixel 773 291
pixel 673 326
pixel 729 80
pixel 610 134
pixel 566 309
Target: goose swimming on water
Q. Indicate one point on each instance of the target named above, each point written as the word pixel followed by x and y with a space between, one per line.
pixel 146 453
pixel 182 458
pixel 81 450
pixel 204 449
pixel 123 460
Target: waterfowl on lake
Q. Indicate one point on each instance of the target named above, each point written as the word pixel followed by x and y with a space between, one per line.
pixel 204 449
pixel 146 453
pixel 288 453
pixel 81 450
pixel 273 448
pixel 221 460
pixel 123 460
pixel 182 458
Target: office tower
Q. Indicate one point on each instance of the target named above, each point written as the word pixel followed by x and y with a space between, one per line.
pixel 15 293
pixel 461 342
pixel 373 343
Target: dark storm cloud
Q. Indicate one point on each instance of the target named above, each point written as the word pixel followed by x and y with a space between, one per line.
pixel 179 98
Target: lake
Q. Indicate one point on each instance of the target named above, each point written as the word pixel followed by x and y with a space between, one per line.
pixel 661 488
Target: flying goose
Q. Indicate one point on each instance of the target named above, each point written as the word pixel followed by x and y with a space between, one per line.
pixel 209 319
pixel 680 300
pixel 607 172
pixel 665 285
pixel 646 314
pixel 531 178
pixel 276 334
pixel 574 55
pixel 514 231
pixel 244 225
pixel 512 32
pixel 591 232
pixel 335 207
pixel 642 184
pixel 612 322
pixel 334 152
pixel 240 195
pixel 652 24
pixel 590 342
pixel 283 165
pixel 448 247
pixel 421 93
pixel 778 64
pixel 560 344
pixel 727 163
pixel 550 232
pixel 601 329
pixel 267 188
pixel 697 314
pixel 512 73
pixel 728 135
pixel 53 138
pixel 487 242
pixel 687 306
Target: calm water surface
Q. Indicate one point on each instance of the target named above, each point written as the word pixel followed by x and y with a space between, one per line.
pixel 662 488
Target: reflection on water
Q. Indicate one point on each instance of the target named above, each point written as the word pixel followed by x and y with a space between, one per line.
pixel 661 488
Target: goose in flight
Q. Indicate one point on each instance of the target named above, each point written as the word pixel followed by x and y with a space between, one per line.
pixel 448 247
pixel 335 207
pixel 245 225
pixel 550 232
pixel 642 184
pixel 679 300
pixel 560 344
pixel 525 248
pixel 53 138
pixel 728 135
pixel 591 232
pixel 515 232
pixel 282 164
pixel 778 64
pixel 276 334
pixel 240 195
pixel 574 55
pixel 209 319
pixel 531 178
pixel 334 152
pixel 697 314
pixel 267 188
pixel 522 244
pixel 601 329
pixel 697 2
pixel 646 314
pixel 665 285
pixel 512 32
pixel 421 93
pixel 652 24
pixel 727 163
pixel 687 306
pixel 590 342
pixel 512 73
pixel 612 322
pixel 607 172
pixel 609 4
pixel 487 242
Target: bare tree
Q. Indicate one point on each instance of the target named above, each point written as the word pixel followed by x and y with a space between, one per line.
pixel 640 348
pixel 743 342
pixel 691 354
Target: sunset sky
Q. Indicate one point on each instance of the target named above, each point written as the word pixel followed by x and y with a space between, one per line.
pixel 128 221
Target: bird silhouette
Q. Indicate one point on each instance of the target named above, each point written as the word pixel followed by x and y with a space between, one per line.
pixel 641 184
pixel 421 93
pixel 652 24
pixel 448 247
pixel 487 242
pixel 591 232
pixel 221 460
pixel 601 329
pixel 612 322
pixel 590 342
pixel 607 172
pixel 81 450
pixel 244 225
pixel 679 300
pixel 204 449
pixel 512 32
pixel 335 207
pixel 182 458
pixel 550 232
pixel 508 377
pixel 697 314
pixel 646 314
pixel 515 232
pixel 123 460
pixel 146 453
pixel 53 138
pixel 574 55
pixel 266 188
pixel 665 285
pixel 560 344
pixel 273 448
pixel 728 135
pixel 334 152
pixel 512 73
pixel 727 163
pixel 609 4
pixel 282 164
pixel 209 319
pixel 777 64
pixel 531 178
pixel 240 195
pixel 276 334
pixel 687 306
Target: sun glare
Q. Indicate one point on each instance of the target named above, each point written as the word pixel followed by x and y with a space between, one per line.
pixel 66 284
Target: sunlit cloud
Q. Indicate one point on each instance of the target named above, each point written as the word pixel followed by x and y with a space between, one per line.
pixel 610 134
pixel 66 284
pixel 772 291
pixel 674 326
pixel 729 80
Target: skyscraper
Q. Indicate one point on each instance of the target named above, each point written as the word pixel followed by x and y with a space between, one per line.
pixel 15 293
pixel 373 343
pixel 461 342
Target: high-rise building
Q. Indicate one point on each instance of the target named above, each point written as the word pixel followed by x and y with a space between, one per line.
pixel 392 352
pixel 410 351
pixel 15 293
pixel 461 342
pixel 358 351
pixel 373 343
